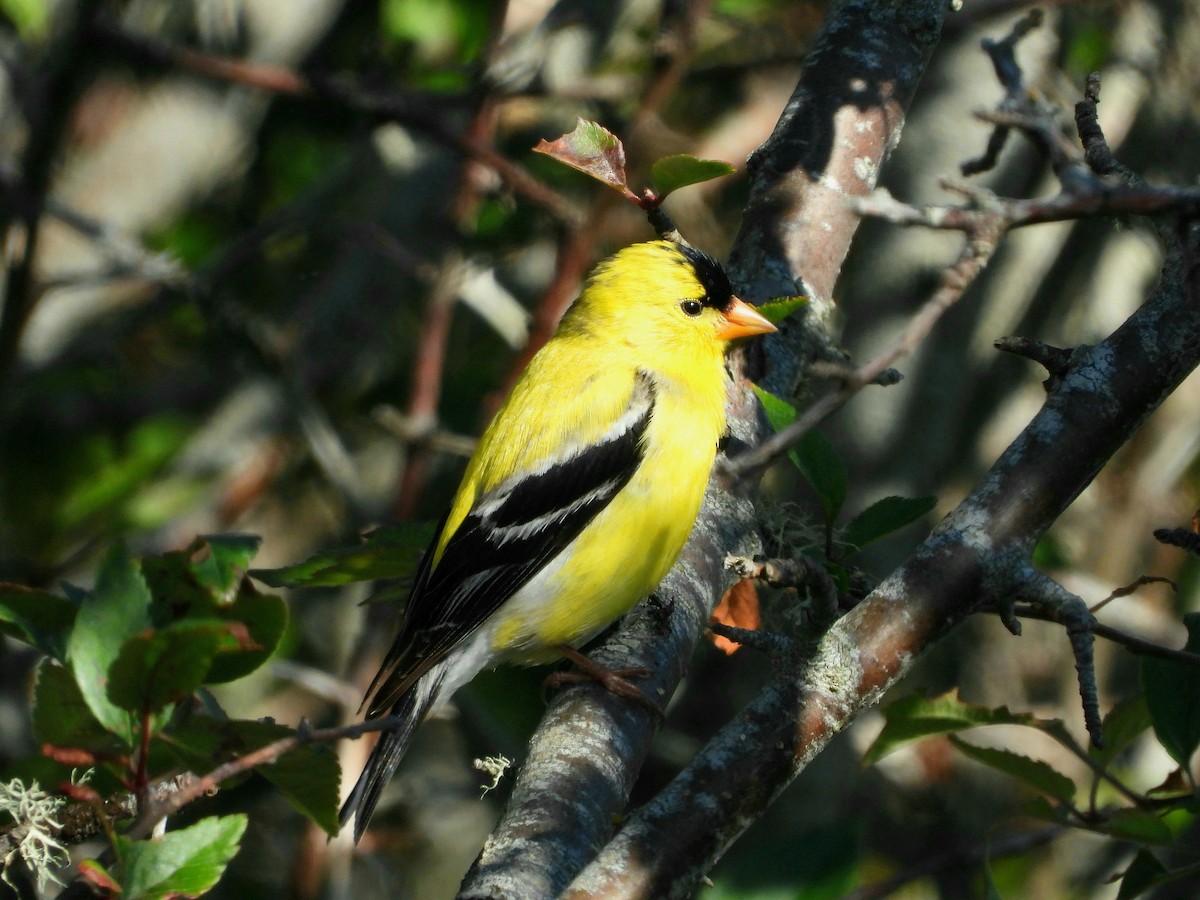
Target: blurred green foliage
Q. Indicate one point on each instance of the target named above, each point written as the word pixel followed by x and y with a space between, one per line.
pixel 30 17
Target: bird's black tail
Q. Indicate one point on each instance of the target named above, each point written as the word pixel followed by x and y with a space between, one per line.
pixel 411 709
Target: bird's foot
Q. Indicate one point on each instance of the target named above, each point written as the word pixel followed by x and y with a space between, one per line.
pixel 615 681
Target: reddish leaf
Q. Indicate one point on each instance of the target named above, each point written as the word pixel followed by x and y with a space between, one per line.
pixel 69 756
pixel 93 873
pixel 737 609
pixel 241 634
pixel 1174 784
pixel 593 150
pixel 80 793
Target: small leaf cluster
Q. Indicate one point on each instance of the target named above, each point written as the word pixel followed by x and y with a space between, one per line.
pixel 825 472
pixel 184 863
pixel 1150 819
pixel 122 690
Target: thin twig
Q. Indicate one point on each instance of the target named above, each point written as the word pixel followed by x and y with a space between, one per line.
pixel 1140 581
pixel 1101 771
pixel 1019 109
pixel 411 431
pixel 1053 359
pixel 193 790
pixel 984 219
pixel 1071 612
pixel 428 370
pixel 1134 644
pixel 1096 152
pixel 1102 200
pixel 984 239
pixel 47 101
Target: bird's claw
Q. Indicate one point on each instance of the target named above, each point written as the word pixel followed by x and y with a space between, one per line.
pixel 615 681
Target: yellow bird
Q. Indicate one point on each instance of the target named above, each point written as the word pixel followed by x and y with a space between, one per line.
pixel 581 493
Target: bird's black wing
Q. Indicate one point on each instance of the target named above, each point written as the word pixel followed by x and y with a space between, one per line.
pixel 508 535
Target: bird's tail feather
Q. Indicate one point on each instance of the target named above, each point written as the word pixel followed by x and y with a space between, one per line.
pixel 412 707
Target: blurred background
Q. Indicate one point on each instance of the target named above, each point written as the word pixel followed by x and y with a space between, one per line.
pixel 281 282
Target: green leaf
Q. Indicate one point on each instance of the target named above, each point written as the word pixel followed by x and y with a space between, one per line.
pixel 60 714
pixel 308 777
pixel 99 878
pixel 37 617
pixel 1138 825
pixel 115 471
pixel 839 574
pixel 775 311
pixel 403 19
pixel 1039 807
pixel 1049 553
pixel 1089 50
pixel 1173 697
pixel 815 457
pixel 593 150
pixel 780 414
pixel 991 891
pixel 201 743
pixel 257 620
pixel 1124 724
pixel 883 517
pixel 445 33
pixel 177 592
pixel 183 863
pixel 30 17
pixel 825 471
pixel 224 567
pixel 265 617
pixel 391 552
pixel 1037 774
pixel 156 668
pixel 916 717
pixel 115 610
pixel 1143 873
pixel 673 172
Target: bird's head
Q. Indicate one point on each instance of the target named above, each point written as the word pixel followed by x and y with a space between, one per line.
pixel 665 294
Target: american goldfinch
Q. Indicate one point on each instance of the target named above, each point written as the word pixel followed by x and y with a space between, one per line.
pixel 580 495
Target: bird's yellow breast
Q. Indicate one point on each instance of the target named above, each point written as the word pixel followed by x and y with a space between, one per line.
pixel 626 550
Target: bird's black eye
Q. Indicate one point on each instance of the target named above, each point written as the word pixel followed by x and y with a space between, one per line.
pixel 691 307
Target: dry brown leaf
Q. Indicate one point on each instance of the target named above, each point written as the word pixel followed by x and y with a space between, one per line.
pixel 737 609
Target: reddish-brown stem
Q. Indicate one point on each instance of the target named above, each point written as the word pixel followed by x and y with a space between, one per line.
pixel 573 261
pixel 427 383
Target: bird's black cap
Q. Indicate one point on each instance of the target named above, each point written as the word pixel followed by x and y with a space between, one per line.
pixel 717 289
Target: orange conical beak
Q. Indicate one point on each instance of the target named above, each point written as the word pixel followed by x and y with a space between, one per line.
pixel 742 320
